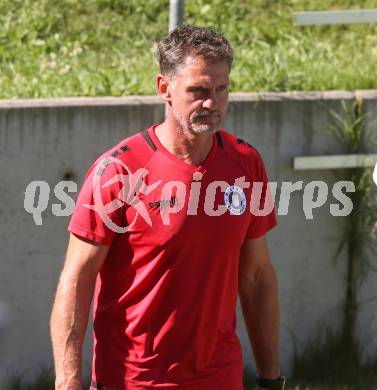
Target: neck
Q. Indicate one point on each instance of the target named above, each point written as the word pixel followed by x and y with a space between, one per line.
pixel 191 148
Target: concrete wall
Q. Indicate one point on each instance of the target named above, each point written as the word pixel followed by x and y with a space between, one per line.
pixel 53 140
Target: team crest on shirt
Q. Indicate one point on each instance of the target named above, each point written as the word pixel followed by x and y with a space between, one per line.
pixel 235 200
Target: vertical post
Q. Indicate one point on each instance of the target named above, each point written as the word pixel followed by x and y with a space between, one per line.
pixel 176 12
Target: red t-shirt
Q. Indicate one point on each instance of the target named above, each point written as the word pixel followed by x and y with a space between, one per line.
pixel 165 299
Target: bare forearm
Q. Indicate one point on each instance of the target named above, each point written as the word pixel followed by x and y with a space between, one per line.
pixel 68 324
pixel 260 307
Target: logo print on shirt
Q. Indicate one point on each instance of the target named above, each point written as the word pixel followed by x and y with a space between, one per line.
pixel 235 200
pixel 164 203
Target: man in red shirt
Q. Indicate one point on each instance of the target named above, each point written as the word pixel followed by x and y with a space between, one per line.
pixel 166 233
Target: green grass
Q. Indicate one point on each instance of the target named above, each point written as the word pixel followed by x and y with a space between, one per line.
pixel 328 362
pixel 54 48
pixel 45 381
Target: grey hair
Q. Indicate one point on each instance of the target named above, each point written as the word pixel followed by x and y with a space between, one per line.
pixel 192 40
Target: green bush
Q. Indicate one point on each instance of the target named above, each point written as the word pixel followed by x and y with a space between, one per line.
pixel 106 47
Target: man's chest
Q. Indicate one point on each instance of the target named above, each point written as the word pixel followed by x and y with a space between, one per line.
pixel 211 205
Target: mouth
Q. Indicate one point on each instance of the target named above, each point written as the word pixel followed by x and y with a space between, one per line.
pixel 206 116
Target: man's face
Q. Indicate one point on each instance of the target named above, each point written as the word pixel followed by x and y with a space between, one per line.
pixel 199 95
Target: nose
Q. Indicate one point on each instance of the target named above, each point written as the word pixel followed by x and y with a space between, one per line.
pixel 209 104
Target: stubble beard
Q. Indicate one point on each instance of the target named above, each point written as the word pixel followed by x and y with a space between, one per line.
pixel 192 127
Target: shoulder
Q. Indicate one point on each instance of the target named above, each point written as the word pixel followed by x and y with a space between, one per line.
pixel 134 148
pixel 241 151
pixel 132 153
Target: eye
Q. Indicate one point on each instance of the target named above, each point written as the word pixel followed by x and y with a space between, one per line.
pixel 222 88
pixel 200 90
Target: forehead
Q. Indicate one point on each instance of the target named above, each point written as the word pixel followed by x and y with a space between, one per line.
pixel 196 69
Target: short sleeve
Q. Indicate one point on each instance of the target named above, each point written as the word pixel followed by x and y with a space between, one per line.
pixel 263 216
pixel 98 212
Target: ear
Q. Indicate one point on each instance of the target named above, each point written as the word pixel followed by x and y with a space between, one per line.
pixel 164 87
